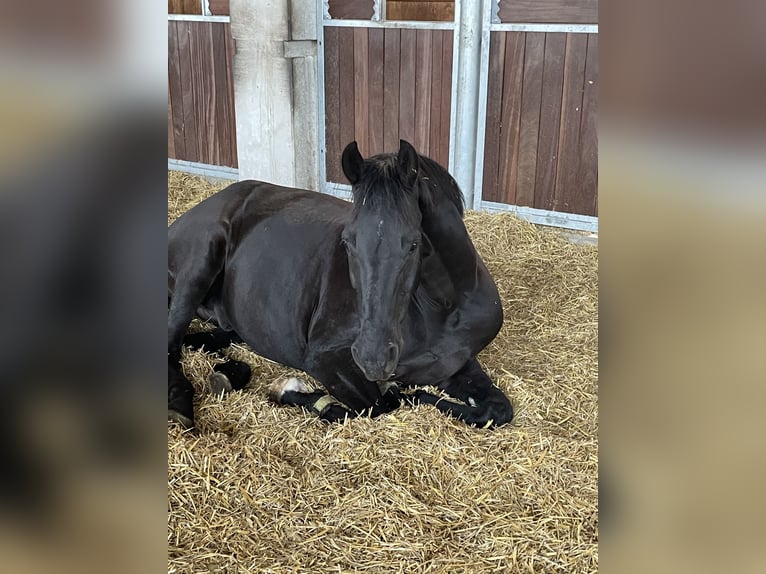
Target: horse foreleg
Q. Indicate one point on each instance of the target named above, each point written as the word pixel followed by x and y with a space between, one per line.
pixel 295 392
pixel 483 403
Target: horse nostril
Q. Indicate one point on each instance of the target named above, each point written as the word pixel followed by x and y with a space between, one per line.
pixel 393 354
pixel 354 353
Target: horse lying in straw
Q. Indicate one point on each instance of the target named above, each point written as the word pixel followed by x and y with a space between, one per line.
pixel 389 288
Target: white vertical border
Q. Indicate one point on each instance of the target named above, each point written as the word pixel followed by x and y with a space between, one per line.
pixel 481 123
pixel 453 98
pixel 321 111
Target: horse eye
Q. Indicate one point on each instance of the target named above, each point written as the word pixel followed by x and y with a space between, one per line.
pixel 413 247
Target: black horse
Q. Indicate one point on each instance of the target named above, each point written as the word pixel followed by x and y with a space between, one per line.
pixel 389 288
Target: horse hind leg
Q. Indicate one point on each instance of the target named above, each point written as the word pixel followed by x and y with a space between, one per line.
pixel 232 375
pixel 191 288
pixel 484 405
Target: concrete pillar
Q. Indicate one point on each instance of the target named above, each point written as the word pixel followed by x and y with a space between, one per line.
pixel 275 90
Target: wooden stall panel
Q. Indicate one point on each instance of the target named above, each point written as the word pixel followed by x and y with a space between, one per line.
pixel 351 9
pixel 540 147
pixel 549 11
pixel 219 7
pixel 385 85
pixel 185 7
pixel 423 10
pixel 200 93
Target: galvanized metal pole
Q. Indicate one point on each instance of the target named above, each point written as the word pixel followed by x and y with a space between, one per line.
pixel 467 102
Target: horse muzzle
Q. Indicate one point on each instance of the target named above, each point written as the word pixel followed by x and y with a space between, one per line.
pixel 378 362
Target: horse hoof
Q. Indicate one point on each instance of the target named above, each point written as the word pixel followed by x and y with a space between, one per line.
pixel 183 420
pixel 236 372
pixel 218 383
pixel 278 388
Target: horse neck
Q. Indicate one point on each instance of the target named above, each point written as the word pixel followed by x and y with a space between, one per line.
pixel 445 229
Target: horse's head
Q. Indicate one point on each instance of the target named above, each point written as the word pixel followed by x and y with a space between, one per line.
pixel 383 243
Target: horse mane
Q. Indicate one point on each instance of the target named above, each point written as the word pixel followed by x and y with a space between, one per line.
pixel 381 184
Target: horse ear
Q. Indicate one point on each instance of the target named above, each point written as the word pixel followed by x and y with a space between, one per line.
pixel 352 162
pixel 408 163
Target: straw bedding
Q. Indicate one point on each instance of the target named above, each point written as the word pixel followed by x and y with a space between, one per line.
pixel 263 488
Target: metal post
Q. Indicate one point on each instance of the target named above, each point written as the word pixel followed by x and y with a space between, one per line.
pixel 469 60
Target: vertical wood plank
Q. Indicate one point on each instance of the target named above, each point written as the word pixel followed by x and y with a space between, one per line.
pixel 230 51
pixel 176 92
pixel 391 95
pixel 223 111
pixel 550 117
pixel 361 99
pixel 185 65
pixel 171 139
pixel 531 94
pixel 490 186
pixel 196 46
pixel 332 104
pixel 446 96
pixel 436 95
pixel 407 89
pixel 510 116
pixel 375 93
pixel 347 89
pixel 209 115
pixel 586 195
pixel 571 112
pixel 423 91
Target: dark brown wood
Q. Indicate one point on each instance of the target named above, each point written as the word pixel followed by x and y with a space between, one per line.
pixel 226 127
pixel 436 100
pixel 351 9
pixel 361 98
pixel 204 83
pixel 184 7
pixel 571 113
pixel 391 84
pixel 549 11
pixel 375 93
pixel 510 116
pixel 406 89
pixel 171 138
pixel 191 152
pixel 231 51
pixel 534 52
pixel 219 7
pixel 586 190
pixel 490 187
pixel 347 88
pixel 446 97
pixel 550 116
pixel 332 104
pixel 423 92
pixel 175 91
pixel 422 11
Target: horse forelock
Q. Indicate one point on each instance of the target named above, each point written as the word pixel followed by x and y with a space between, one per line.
pixel 380 185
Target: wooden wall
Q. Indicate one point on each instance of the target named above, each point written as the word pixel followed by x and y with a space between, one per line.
pixel 541 140
pixel 184 7
pixel 428 10
pixel 549 11
pixel 385 85
pixel 201 120
pixel 351 9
